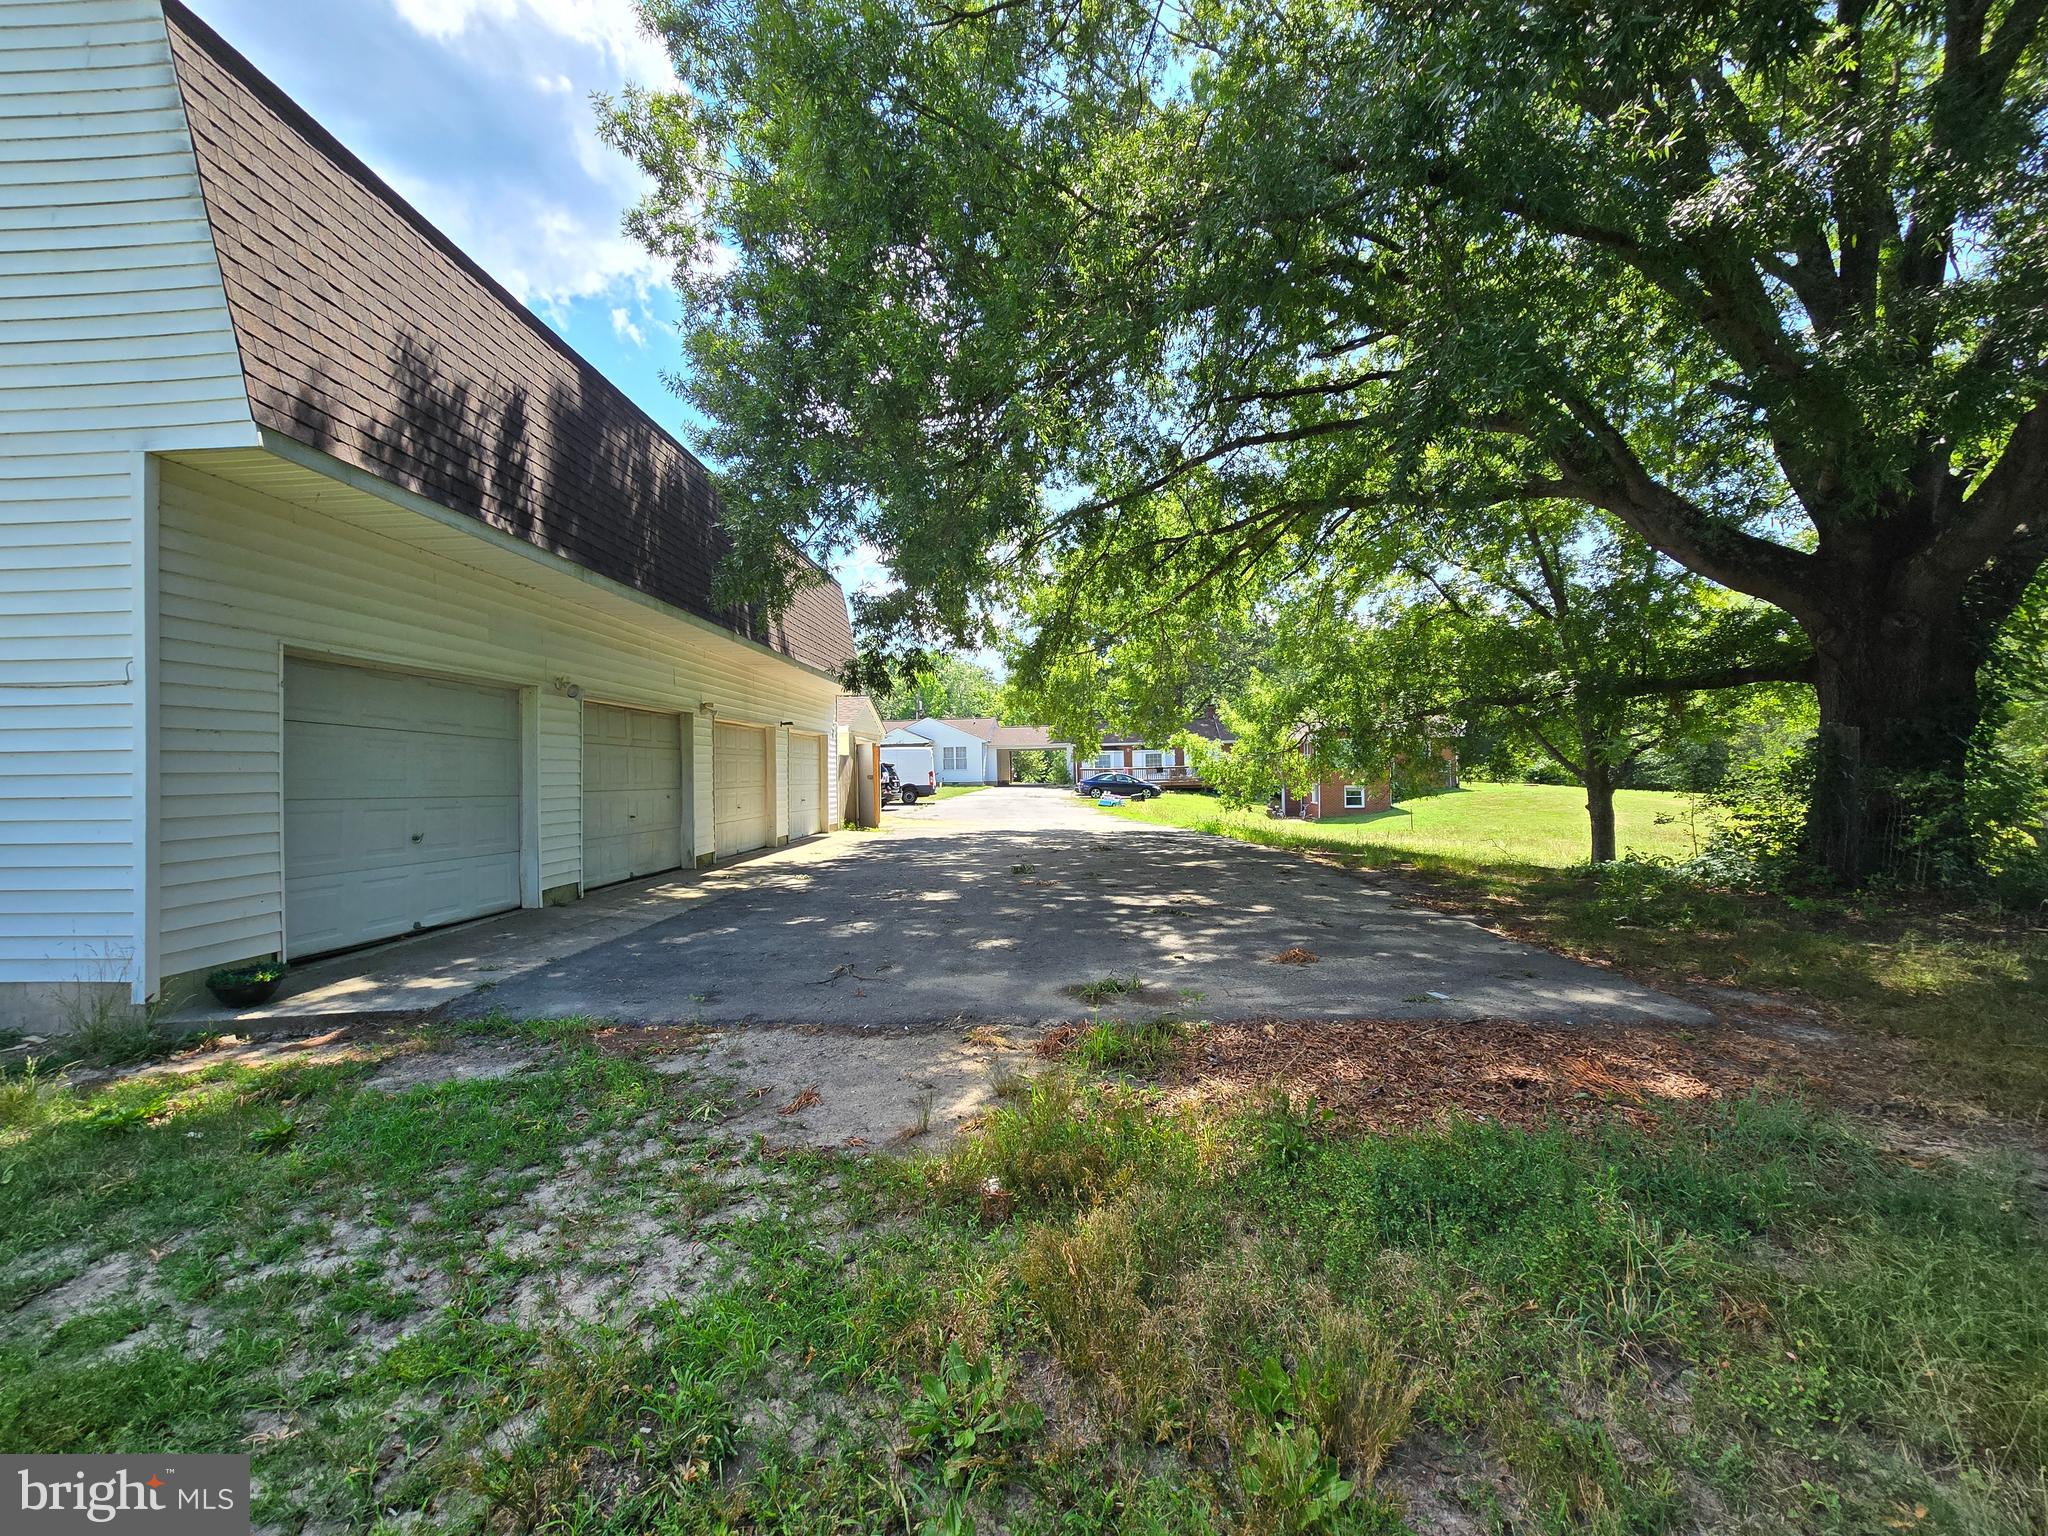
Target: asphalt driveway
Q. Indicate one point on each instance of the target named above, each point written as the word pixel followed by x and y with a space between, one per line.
pixel 1003 906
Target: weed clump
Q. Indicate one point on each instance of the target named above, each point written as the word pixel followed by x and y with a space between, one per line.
pixel 1059 1143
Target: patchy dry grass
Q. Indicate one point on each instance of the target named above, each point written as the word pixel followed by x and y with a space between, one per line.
pixel 566 1278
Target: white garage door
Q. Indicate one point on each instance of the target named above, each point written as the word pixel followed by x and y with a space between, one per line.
pixel 632 793
pixel 806 771
pixel 739 789
pixel 401 804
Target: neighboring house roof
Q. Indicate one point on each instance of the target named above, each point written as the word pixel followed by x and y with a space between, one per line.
pixel 1207 725
pixel 1022 738
pixel 980 727
pixel 367 334
pixel 857 712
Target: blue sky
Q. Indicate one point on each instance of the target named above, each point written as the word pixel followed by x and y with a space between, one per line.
pixel 478 112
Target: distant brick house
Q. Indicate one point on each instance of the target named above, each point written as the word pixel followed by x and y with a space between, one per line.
pixel 1340 794
pixel 1166 766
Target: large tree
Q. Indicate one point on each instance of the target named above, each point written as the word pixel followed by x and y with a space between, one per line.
pixel 1766 283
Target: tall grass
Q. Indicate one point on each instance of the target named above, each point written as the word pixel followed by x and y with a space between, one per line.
pixel 1751 1300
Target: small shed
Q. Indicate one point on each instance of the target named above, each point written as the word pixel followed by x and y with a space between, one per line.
pixel 860 760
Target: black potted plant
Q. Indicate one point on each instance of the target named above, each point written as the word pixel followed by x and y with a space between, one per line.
pixel 246 986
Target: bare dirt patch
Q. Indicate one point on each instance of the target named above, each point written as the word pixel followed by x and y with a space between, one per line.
pixel 117 1278
pixel 476 1061
pixel 842 1088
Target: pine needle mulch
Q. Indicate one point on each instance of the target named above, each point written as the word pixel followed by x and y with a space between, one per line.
pixel 1384 1074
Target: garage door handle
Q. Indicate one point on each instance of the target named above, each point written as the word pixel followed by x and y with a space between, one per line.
pixel 419 837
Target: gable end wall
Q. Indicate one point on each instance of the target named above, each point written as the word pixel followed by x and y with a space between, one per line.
pixel 115 341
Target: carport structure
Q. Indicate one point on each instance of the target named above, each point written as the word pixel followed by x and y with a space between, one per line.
pixel 1012 739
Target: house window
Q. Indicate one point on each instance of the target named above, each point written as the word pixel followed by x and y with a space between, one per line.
pixel 1105 760
pixel 954 759
pixel 1354 797
pixel 1154 761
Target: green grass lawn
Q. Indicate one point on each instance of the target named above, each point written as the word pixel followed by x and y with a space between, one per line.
pixel 954 791
pixel 563 1300
pixel 1542 825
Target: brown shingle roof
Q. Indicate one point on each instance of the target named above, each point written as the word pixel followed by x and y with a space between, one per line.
pixel 981 726
pixel 367 334
pixel 1023 738
pixel 856 708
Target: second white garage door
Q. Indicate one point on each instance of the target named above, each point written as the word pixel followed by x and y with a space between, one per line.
pixel 739 789
pixel 401 804
pixel 806 771
pixel 632 794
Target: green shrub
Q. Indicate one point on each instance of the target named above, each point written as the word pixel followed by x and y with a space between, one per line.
pixel 1291 1485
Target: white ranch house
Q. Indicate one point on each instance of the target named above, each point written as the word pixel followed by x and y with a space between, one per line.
pixel 973 749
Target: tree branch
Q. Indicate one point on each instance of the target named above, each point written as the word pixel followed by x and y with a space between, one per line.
pixel 2012 496
pixel 1711 680
pixel 1603 471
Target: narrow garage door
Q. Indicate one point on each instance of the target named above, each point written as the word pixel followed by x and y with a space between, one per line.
pixel 401 804
pixel 739 788
pixel 632 793
pixel 806 769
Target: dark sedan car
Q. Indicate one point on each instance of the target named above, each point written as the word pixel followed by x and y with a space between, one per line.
pixel 1129 785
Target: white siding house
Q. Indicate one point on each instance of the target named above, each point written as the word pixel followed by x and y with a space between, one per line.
pixel 962 749
pixel 301 650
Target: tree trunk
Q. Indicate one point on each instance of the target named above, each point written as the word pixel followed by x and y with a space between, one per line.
pixel 1898 707
pixel 1599 780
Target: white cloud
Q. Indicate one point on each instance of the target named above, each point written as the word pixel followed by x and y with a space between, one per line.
pixel 609 27
pixel 624 328
pixel 549 253
pixel 544 219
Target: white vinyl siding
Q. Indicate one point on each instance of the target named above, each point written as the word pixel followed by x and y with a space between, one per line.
pixel 955 760
pixel 558 791
pixel 114 339
pixel 248 574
